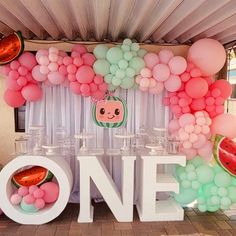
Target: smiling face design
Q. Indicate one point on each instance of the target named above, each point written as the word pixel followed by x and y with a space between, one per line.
pixel 109 111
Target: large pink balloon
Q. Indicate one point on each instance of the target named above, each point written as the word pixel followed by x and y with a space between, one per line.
pixel 224 86
pixel 177 65
pixel 13 98
pixel 37 75
pixel 51 192
pixel 79 48
pixel 55 77
pixel 208 55
pixel 224 124
pixel 196 87
pixel 161 72
pixel 165 55
pixel 151 59
pixel 75 87
pixel 12 84
pixel 173 83
pixel 31 92
pixel 85 74
pixel 198 104
pixel 28 60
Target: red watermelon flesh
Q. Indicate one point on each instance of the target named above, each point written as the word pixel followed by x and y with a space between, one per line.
pixel 225 153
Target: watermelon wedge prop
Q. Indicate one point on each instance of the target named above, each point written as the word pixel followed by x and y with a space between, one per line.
pixel 11 47
pixel 36 175
pixel 225 153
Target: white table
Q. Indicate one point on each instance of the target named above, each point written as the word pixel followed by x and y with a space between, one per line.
pixel 125 137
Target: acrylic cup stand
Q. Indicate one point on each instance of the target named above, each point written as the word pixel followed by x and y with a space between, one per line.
pixel 84 136
pixel 126 136
pixel 51 150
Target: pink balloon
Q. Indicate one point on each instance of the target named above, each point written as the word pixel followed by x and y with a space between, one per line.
pixel 15 199
pixel 186 119
pixel 29 199
pixel 173 125
pixel 37 75
pixel 176 109
pixel 23 190
pixel 78 61
pixel 98 79
pixel 22 81
pixel 177 65
pixel 189 128
pixel 190 153
pixel 183 135
pixel 85 74
pixel 88 59
pixel 185 76
pixel 56 77
pixel 209 80
pixel 165 55
pixel 62 70
pixel 224 86
pixel 79 48
pixel 144 82
pixel 166 101
pixel 5 70
pixel 174 100
pixel 51 191
pixel 53 50
pixel 40 53
pixel 71 77
pixel 53 66
pixel 38 193
pixel 206 151
pixel 98 95
pixel 43 60
pixel 93 87
pixel 14 65
pixel 219 101
pixel 67 60
pixel 200 141
pixel 210 108
pixel 146 72
pixel 71 69
pixel 193 137
pixel 143 89
pixel 210 101
pixel 39 203
pixel 75 87
pixel 198 104
pixel 190 66
pixel 31 92
pixel 220 109
pixel 195 72
pixel 208 55
pixel 183 102
pixel 173 83
pixel 151 59
pixel 53 57
pixel 84 88
pixel 157 89
pixel 215 92
pixel 28 60
pixel 161 72
pixel 103 87
pixel 187 144
pixel 196 87
pixel 22 70
pixel 138 79
pixel 12 84
pixel 152 83
pixel 14 75
pixel 186 109
pixel 43 69
pixel 32 188
pixel 74 54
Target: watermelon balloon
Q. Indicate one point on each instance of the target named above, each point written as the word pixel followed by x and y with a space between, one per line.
pixel 11 47
pixel 36 175
pixel 225 153
pixel 110 112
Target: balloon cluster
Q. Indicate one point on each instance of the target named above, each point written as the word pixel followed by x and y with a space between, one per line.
pixel 119 64
pixel 33 198
pixel 20 84
pixel 82 79
pixel 193 131
pixel 162 71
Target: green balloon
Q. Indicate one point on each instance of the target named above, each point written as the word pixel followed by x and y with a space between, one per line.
pixel 183 176
pixel 114 55
pixel 101 67
pixel 135 54
pixel 195 185
pixel 217 168
pixel 113 69
pixel 232 193
pixel 130 72
pixel 123 64
pixel 233 181
pixel 225 201
pixel 205 174
pixel 127 41
pixel 222 179
pixel 197 161
pixel 137 64
pixel 125 48
pixel 191 175
pixel 209 202
pixel 206 190
pixel 186 184
pixel 179 169
pixel 224 207
pixel 30 208
pixel 108 78
pixel 116 81
pixel 127 82
pixel 214 190
pixel 111 87
pixel 135 47
pixel 128 56
pixel 202 207
pixel 189 167
pixel 222 191
pixel 201 200
pixel 120 74
pixel 100 51
pixel 142 52
pixel 215 200
pixel 185 196
pixel 213 208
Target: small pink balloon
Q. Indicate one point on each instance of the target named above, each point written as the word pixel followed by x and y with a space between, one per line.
pixel 206 151
pixel 37 75
pixel 53 66
pixel 151 59
pixel 22 71
pixel 144 82
pixel 53 57
pixel 31 92
pixel 166 101
pixel 183 102
pixel 32 188
pixel 195 72
pixel 152 83
pixel 189 128
pixel 14 65
pixel 173 125
pixel 205 129
pixel 146 72
pixel 201 121
pixel 183 135
pixel 77 61
pixel 186 119
pixel 98 79
pixel 174 100
pixel 71 69
pixel 143 89
pixel 157 89
pixel 28 60
pixel 67 60
pixel 13 98
pixel 98 95
pixel 12 84
pixel 5 70
pixel 39 203
pixel 60 60
pixel 138 79
pixel 210 101
pixel 44 61
pixel 209 80
pixel 62 70
pixel 210 108
pixel 93 87
pixel 86 94
pixel 165 55
pixel 190 153
pixel 173 83
pixel 75 87
pixel 161 72
pixel 182 94
pixel 40 53
pixel 198 104
pixel 62 53
pixel 71 77
pixel 74 54
pixel 85 74
pixel 186 109
pixel 215 92
pixel 197 129
pixel 29 199
pixel 43 70
pixel 190 66
pixel 79 48
pixel 200 84
pixel 185 77
pixel 219 101
pixel 22 81
pixel 38 193
pixel 193 137
pixel 14 75
pixel 84 88
pixel 176 109
pixel 53 50
pixel 88 59
pixel 187 144
pixel 220 109
pixel 200 141
pixel 177 65
pixel 56 78
pixel 16 199
pixel 23 190
pixel 103 87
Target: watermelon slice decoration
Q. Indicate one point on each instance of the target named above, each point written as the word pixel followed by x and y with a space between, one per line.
pixel 11 47
pixel 36 175
pixel 225 153
pixel 110 112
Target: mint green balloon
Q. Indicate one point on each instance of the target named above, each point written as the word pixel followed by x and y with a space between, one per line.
pixel 108 78
pixel 201 200
pixel 127 83
pixel 135 54
pixel 222 191
pixel 213 208
pixel 215 200
pixel 137 64
pixel 123 64
pixel 214 190
pixel 114 55
pixel 191 175
pixel 196 161
pixel 205 174
pixel 183 176
pixel 127 41
pixel 130 72
pixel 217 168
pixel 29 208
pixel 209 202
pixel 142 52
pixel 224 207
pixel 225 201
pixel 185 196
pixel 206 190
pixel 222 179
pixel 120 74
pixel 179 169
pixel 202 207
pixel 113 69
pixel 135 47
pixel 195 185
pixel 128 56
pixel 125 48
pixel 116 81
pixel 185 184
pixel 100 51
pixel 111 87
pixel 233 181
pixel 232 193
pixel 101 67
pixel 189 167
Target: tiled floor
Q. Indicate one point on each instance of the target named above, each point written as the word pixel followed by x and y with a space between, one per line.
pixel 195 223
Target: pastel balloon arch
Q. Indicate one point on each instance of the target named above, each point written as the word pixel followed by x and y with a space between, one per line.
pixel 195 99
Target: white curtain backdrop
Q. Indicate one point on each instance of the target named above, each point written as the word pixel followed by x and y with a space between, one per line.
pixel 60 108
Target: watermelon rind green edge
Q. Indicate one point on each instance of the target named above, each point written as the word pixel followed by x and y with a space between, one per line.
pixel 111 125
